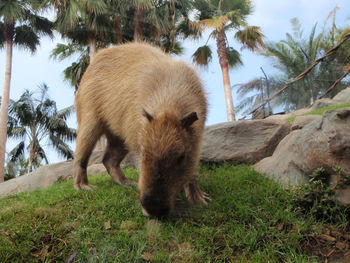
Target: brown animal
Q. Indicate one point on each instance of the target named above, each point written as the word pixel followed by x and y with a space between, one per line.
pixel 143 101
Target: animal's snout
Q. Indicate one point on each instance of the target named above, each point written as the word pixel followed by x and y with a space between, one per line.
pixel 155 206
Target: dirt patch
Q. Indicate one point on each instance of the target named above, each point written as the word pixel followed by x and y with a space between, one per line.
pixel 329 246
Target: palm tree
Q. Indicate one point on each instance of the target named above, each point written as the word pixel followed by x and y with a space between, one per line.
pixel 256 91
pixel 295 53
pixel 140 6
pixel 83 21
pixel 35 120
pixel 75 71
pixel 19 26
pixel 15 167
pixel 223 16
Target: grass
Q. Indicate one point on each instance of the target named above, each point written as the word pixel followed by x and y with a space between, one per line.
pixel 250 219
pixel 321 111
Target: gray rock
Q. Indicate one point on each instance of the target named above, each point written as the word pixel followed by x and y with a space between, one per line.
pixel 323 143
pixel 301 121
pixel 41 178
pixel 343 96
pixel 321 103
pixel 97 168
pixel 289 115
pixel 131 160
pixel 242 141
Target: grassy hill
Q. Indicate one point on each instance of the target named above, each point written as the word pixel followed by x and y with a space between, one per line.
pixel 250 219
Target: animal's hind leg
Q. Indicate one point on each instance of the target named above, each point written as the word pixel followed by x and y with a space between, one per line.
pixel 88 134
pixel 114 155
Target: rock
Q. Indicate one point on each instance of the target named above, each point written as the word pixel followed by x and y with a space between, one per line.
pixel 343 195
pixel 289 115
pixel 47 175
pixel 97 168
pixel 301 121
pixel 242 141
pixel 324 142
pixel 41 178
pixel 131 160
pixel 321 103
pixel 343 96
pixel 281 166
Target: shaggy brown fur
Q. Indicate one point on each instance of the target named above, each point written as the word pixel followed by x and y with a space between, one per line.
pixel 143 100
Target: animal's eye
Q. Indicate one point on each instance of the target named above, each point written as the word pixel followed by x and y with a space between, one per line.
pixel 181 158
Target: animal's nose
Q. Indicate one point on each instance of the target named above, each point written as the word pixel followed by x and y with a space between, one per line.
pixel 155 207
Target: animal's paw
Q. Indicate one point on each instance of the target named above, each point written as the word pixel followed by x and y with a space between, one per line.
pixel 84 187
pixel 195 195
pixel 199 197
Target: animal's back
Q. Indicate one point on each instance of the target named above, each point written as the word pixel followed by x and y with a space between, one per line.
pixel 123 80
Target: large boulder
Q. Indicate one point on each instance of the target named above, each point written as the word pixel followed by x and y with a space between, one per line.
pixel 326 102
pixel 301 121
pixel 131 160
pixel 323 143
pixel 41 178
pixel 343 96
pixel 242 141
pixel 47 175
pixel 289 115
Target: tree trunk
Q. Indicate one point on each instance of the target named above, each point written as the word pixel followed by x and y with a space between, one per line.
pixel 31 159
pixel 117 30
pixel 173 28
pixel 221 49
pixel 5 102
pixel 138 19
pixel 92 45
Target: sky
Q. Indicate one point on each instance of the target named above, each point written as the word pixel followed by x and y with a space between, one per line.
pixel 273 16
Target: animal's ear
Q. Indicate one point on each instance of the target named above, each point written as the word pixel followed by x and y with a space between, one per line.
pixel 147 115
pixel 189 119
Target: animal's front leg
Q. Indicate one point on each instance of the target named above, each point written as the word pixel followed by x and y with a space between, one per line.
pixel 194 194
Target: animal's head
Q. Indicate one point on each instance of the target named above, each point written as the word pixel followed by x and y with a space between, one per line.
pixel 166 161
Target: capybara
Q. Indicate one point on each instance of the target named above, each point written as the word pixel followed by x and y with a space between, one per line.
pixel 143 101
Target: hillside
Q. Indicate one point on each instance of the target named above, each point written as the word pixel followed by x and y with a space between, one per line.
pixel 250 219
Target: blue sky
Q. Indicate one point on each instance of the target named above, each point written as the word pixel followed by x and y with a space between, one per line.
pixel 273 16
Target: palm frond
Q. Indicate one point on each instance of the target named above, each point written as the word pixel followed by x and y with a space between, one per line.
pixel 2 36
pixel 62 51
pixel 26 38
pixel 17 151
pixel 16 132
pixel 65 113
pixel 61 147
pixel 189 28
pixel 234 57
pixel 177 49
pixel 40 25
pixel 202 56
pixel 12 10
pixel 250 86
pixel 251 37
pixel 236 18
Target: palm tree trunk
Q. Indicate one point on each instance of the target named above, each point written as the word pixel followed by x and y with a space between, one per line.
pixel 138 19
pixel 31 159
pixel 92 45
pixel 221 49
pixel 117 30
pixel 4 105
pixel 173 28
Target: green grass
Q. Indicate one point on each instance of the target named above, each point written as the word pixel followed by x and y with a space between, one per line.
pixel 250 219
pixel 321 111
